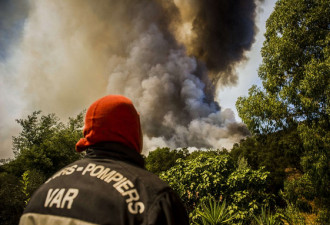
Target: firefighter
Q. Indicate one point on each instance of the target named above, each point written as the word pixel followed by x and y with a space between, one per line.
pixel 109 185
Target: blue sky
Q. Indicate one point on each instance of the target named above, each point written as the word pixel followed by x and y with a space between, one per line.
pixel 247 71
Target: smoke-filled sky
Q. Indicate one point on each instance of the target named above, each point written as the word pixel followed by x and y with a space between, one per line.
pixel 174 58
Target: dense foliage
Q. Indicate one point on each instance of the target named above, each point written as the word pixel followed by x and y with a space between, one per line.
pixel 12 199
pixel 163 159
pixel 276 152
pixel 295 94
pixel 43 146
pixel 218 176
pixel 295 69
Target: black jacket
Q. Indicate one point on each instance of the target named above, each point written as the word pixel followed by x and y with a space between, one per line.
pixel 108 186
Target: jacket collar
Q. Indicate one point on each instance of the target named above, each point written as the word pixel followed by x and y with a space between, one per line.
pixel 116 151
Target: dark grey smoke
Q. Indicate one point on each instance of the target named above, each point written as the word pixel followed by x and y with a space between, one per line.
pixel 225 31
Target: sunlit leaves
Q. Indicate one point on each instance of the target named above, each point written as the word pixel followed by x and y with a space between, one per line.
pixel 218 176
pixel 296 86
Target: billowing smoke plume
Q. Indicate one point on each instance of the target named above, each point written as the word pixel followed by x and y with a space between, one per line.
pixel 159 53
pixel 218 33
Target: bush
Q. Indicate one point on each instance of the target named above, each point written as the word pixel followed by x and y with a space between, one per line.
pixel 218 176
pixel 211 212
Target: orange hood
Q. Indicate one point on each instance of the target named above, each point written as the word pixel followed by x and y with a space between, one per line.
pixel 112 118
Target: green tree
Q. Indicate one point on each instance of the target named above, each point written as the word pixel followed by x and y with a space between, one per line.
pixel 295 68
pixel 163 159
pixel 275 151
pixel 42 147
pixel 30 181
pixel 12 199
pixel 299 192
pixel 217 175
pixel 45 144
pixel 296 87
